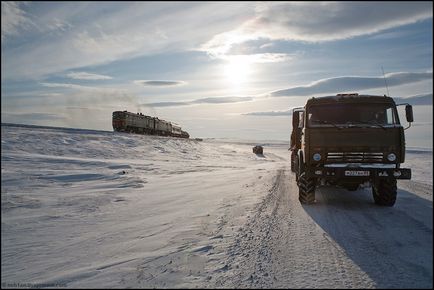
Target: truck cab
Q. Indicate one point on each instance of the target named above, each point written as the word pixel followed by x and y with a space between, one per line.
pixel 348 140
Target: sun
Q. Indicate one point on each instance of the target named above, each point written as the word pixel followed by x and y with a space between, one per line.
pixel 237 70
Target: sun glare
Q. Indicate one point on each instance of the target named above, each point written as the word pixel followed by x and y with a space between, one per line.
pixel 237 70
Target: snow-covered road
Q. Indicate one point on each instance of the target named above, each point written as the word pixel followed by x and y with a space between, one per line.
pixel 343 241
pixel 92 209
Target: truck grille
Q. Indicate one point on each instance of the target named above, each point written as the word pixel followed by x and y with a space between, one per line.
pixel 334 157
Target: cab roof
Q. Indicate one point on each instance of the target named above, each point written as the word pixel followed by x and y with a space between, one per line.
pixel 350 98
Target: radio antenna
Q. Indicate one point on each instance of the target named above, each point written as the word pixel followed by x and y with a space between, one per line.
pixel 385 81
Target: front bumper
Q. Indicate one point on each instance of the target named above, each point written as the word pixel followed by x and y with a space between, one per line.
pixel 358 173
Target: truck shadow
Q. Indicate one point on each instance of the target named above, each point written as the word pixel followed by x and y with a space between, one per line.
pixel 393 245
pixel 260 155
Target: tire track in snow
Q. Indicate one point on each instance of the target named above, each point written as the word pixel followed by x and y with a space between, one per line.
pixel 392 245
pixel 281 246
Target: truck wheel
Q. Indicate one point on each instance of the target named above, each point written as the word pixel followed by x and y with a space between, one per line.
pixel 293 165
pixel 306 189
pixel 298 168
pixel 384 192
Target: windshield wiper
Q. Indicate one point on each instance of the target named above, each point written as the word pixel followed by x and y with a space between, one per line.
pixel 376 123
pixel 327 123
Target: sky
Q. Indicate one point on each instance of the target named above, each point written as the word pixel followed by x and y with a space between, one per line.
pixel 219 69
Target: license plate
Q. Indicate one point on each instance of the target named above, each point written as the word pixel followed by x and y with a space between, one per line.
pixel 356 173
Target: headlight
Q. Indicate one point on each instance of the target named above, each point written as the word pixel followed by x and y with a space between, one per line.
pixel 391 157
pixel 316 157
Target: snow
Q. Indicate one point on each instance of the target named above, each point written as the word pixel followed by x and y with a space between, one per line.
pixel 420 161
pixel 101 209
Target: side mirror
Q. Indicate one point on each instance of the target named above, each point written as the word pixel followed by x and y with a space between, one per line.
pixel 409 113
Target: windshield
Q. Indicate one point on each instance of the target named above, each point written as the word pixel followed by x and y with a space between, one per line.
pixel 352 114
pixel 118 115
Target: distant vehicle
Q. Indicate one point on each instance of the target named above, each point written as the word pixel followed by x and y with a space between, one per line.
pixel 258 149
pixel 138 123
pixel 349 140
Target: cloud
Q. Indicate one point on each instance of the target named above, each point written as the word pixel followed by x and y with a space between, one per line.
pixel 67 86
pixel 215 100
pixel 424 99
pixel 77 108
pixel 87 76
pixel 30 117
pixel 90 34
pixel 158 83
pixel 77 95
pixel 325 21
pixel 13 19
pixel 222 100
pixel 352 83
pixel 58 25
pixel 257 57
pixel 242 48
pixel 96 95
pixel 167 104
pixel 319 22
pixel 269 113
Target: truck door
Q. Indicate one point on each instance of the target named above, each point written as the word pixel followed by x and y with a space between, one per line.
pixel 296 129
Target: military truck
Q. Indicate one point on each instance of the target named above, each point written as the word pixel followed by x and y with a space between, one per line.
pixel 349 140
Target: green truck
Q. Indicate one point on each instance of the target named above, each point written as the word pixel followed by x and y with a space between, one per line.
pixel 348 140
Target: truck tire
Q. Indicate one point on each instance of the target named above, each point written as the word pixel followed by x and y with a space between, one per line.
pixel 298 167
pixel 384 192
pixel 306 189
pixel 293 163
